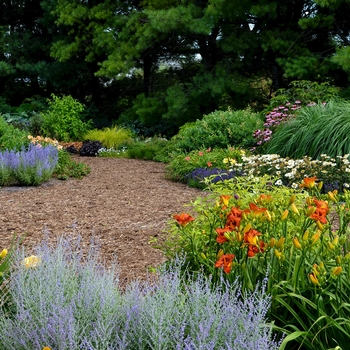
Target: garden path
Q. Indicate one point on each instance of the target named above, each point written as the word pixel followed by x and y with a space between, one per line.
pixel 123 202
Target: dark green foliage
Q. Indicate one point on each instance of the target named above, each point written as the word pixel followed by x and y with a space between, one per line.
pixel 151 149
pixel 316 130
pixel 304 91
pixel 11 137
pixel 219 129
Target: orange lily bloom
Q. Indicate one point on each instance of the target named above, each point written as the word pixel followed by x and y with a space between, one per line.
pixel 225 261
pixel 265 198
pixel 309 182
pixel 183 219
pixel 256 210
pixel 251 237
pixel 221 234
pixel 234 218
pixel 252 249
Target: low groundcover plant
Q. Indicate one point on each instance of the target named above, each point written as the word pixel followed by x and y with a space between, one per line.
pixel 67 301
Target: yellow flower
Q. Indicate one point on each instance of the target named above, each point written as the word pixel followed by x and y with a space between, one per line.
pixel 31 261
pixel 294 208
pixel 3 253
pixel 314 279
pixel 46 348
pixel 296 243
pixel 337 271
pixel 285 215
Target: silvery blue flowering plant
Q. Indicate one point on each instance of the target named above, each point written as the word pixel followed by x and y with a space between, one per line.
pixel 29 166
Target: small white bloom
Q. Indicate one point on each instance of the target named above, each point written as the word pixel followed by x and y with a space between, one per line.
pixel 279 183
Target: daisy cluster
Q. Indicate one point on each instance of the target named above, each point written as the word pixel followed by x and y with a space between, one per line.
pixel 111 152
pixel 333 172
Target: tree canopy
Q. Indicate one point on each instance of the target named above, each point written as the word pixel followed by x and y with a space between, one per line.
pixel 170 61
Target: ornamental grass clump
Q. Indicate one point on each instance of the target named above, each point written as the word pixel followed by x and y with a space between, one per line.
pixel 29 166
pixel 68 301
pixel 300 241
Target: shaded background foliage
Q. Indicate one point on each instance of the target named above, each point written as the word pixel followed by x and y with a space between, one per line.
pixel 164 63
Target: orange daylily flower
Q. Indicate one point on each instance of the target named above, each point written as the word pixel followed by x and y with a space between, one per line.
pixel 251 237
pixel 221 234
pixel 252 249
pixel 320 214
pixel 225 261
pixel 265 198
pixel 256 210
pixel 309 182
pixel 234 218
pixel 183 219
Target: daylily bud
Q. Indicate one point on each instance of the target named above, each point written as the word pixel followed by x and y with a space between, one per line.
pixel 314 279
pixel 310 211
pixel 247 228
pixel 336 240
pixel 268 215
pixel 331 246
pixel 284 215
pixel 306 235
pixel 347 256
pixel 342 239
pixel 203 256
pixel 292 199
pixel 277 254
pixel 309 201
pixel 338 259
pixel 294 208
pixel 219 254
pixel 3 253
pixel 273 242
pixel 227 235
pixel 337 271
pixel 296 243
pixel 319 225
pixel 320 185
pixel 331 196
pixel 280 242
pixel 315 237
pixel 239 237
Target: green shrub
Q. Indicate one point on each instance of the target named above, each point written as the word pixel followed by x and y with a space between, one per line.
pixel 219 129
pixel 185 163
pixel 150 149
pixel 316 130
pixel 66 167
pixel 63 121
pixel 110 137
pixel 11 137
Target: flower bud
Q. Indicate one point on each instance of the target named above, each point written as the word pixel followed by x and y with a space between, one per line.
pixel 319 225
pixel 247 228
pixel 347 256
pixel 203 256
pixel 331 196
pixel 335 240
pixel 284 215
pixel 331 246
pixel 309 201
pixel 296 243
pixel 337 271
pixel 239 237
pixel 278 254
pixel 310 211
pixel 273 242
pixel 320 185
pixel 314 279
pixel 292 199
pixel 268 215
pixel 306 235
pixel 315 237
pixel 280 242
pixel 3 253
pixel 338 259
pixel 219 254
pixel 294 208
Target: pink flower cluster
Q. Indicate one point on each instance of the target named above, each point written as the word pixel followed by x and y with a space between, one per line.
pixel 274 118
